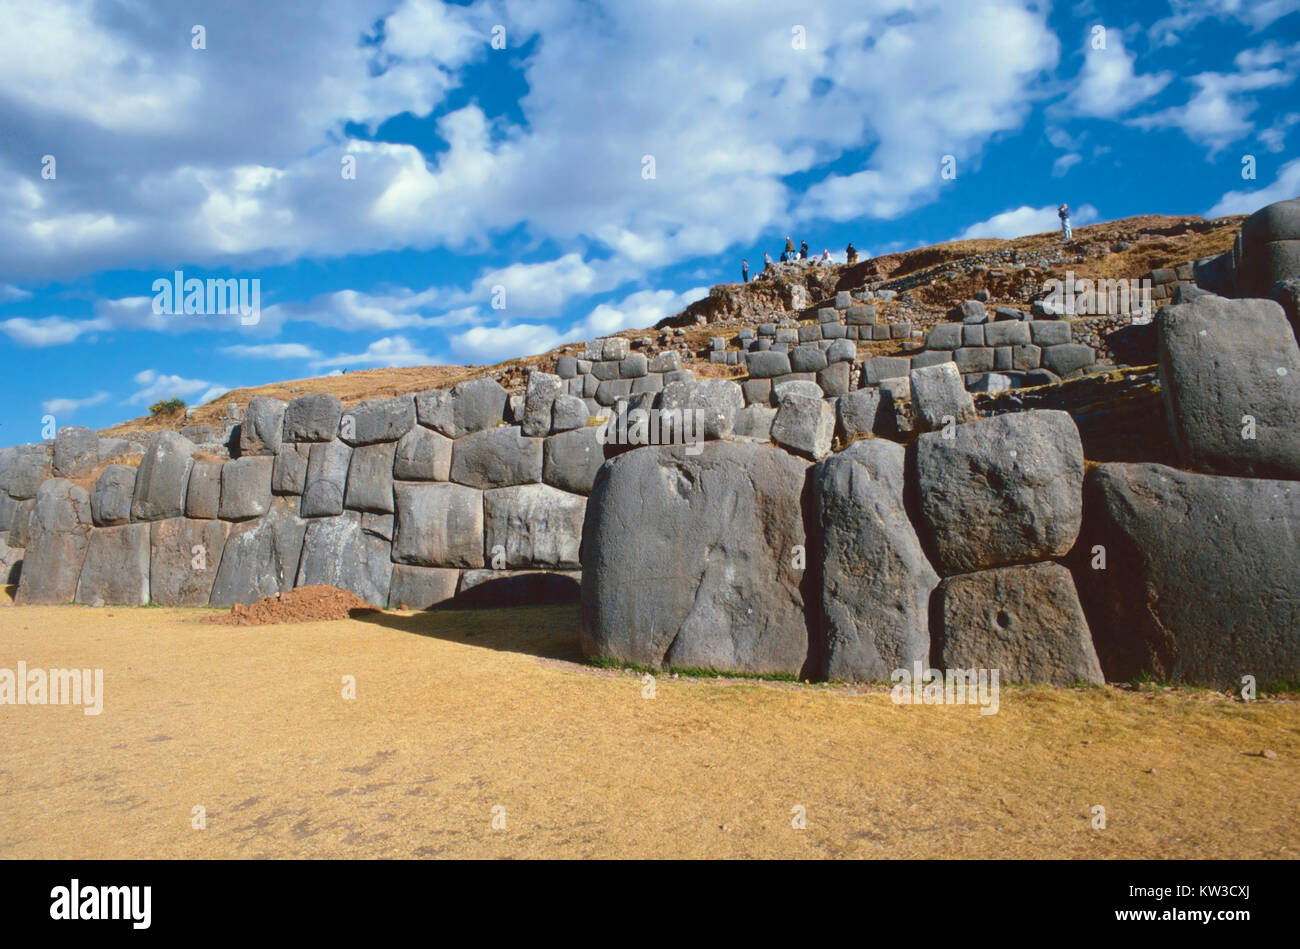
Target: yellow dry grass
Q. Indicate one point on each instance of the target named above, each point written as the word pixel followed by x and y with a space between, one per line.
pixel 458 713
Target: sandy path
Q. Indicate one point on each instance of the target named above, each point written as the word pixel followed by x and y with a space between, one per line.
pixel 458 713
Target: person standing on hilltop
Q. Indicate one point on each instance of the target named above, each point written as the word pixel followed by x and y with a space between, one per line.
pixel 789 249
pixel 803 250
pixel 767 262
pixel 851 254
pixel 1063 212
pixel 744 271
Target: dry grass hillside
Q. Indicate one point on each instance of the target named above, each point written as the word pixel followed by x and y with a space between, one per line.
pixel 1153 241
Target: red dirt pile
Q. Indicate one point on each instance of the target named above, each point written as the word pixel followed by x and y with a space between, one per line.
pixel 301 605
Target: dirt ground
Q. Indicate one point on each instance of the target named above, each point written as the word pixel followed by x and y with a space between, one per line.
pixel 459 713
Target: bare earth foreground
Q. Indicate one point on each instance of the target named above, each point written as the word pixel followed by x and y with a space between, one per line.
pixel 458 713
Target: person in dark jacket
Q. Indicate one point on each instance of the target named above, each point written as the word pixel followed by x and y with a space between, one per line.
pixel 803 250
pixel 789 248
pixel 851 254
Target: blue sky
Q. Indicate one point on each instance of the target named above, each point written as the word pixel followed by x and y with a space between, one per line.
pixel 523 167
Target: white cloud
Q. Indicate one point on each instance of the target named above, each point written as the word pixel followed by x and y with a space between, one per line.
pixel 1064 163
pixel 62 407
pixel 1025 220
pixel 48 330
pixel 9 293
pixel 1108 85
pixel 642 309
pixel 1283 188
pixel 158 386
pixel 488 345
pixel 1186 14
pixel 272 351
pixel 388 351
pixel 1217 114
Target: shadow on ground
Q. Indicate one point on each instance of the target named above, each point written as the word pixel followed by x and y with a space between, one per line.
pixel 550 632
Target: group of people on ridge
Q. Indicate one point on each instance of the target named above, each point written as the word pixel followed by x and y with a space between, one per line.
pixel 790 255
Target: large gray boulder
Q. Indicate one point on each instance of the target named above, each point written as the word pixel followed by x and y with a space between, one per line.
pixel 423 455
pixel 875 578
pixel 25 472
pixel 939 396
pixel 289 475
pixel 438 525
pixel 689 560
pixel 496 458
pixel 57 537
pixel 163 477
pixel 717 400
pixel 540 395
pixel 313 418
pixel 1200 582
pixel 1002 490
pixel 370 478
pixel 20 522
pixel 337 552
pixel 570 460
pixel 262 429
pixel 260 557
pixel 183 558
pixel 116 567
pixel 1227 366
pixel 1024 621
pixel 203 498
pixel 804 425
pixel 469 407
pixel 421 588
pixel 110 499
pixel 858 414
pixel 377 420
pixel 76 451
pixel 327 475
pixel 246 488
pixel 534 525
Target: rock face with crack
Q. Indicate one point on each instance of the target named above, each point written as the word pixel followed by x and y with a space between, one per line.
pixel 1191 577
pixel 689 560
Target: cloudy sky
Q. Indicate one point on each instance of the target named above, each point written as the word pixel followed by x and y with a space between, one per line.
pixel 417 182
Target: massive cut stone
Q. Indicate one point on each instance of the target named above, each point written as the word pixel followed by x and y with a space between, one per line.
pixel 260 557
pixel 337 552
pixel 183 558
pixel 203 498
pixel 438 525
pixel 76 451
pixel 469 407
pixel 1230 379
pixel 1201 582
pixel 420 588
pixel 246 488
pixel 718 399
pixel 116 567
pixel 543 388
pixel 327 475
pixel 289 476
pixel 939 397
pixel 804 425
pixel 313 418
pixel 262 430
pixel 370 478
pixel 858 412
pixel 570 460
pixel 496 458
pixel 110 500
pixel 1024 621
pixel 25 472
pixel 423 455
pixel 57 537
pixel 377 420
pixel 534 525
pixel 875 578
pixel 567 413
pixel 163 477
pixel 20 523
pixel 689 560
pixel 1002 490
